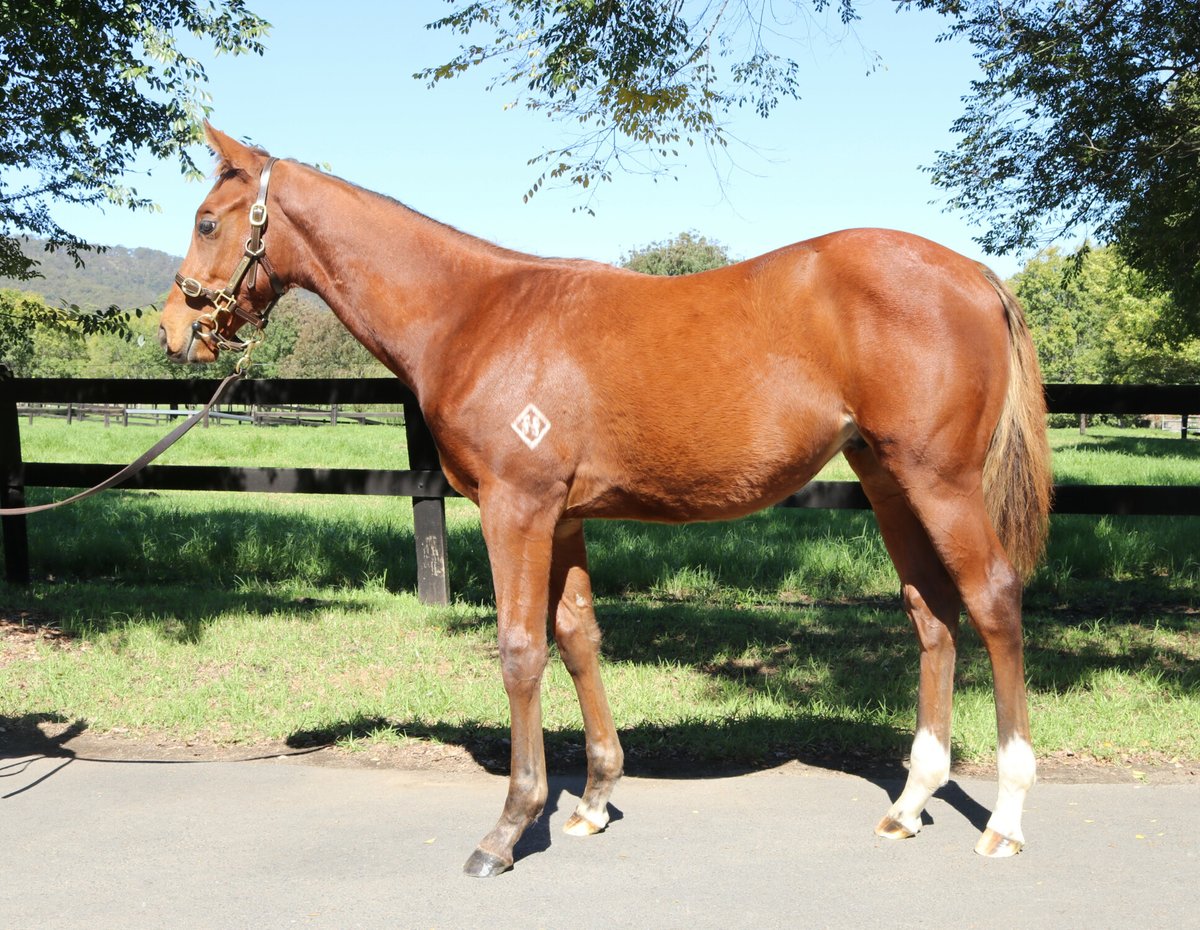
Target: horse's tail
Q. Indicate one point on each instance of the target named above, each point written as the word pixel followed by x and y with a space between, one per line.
pixel 1016 471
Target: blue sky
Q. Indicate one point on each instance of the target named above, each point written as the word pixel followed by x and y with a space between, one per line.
pixel 336 88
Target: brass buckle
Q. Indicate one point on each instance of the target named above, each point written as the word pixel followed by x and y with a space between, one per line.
pixel 224 302
pixel 191 287
pixel 258 214
pixel 242 365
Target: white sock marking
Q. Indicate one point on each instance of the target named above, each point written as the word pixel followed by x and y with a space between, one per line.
pixel 1017 771
pixel 928 770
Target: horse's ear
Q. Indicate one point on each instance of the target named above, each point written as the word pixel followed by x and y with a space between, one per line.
pixel 231 154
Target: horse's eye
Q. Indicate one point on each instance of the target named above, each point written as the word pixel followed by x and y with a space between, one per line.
pixel 206 227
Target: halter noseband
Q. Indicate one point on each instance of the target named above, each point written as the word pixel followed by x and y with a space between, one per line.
pixel 225 301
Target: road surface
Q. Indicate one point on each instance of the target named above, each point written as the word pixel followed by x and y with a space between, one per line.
pixel 265 844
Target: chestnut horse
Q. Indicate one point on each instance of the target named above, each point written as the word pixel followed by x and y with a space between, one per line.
pixel 564 390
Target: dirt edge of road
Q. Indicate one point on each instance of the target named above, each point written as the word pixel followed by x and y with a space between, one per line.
pixel 71 740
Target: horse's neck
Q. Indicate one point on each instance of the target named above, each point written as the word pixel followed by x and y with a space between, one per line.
pixel 395 278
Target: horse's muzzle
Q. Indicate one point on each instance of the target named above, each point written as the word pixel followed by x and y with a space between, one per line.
pixel 175 355
pixel 186 354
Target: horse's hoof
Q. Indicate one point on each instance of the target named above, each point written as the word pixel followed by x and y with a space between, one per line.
pixel 997 846
pixel 892 829
pixel 485 865
pixel 578 825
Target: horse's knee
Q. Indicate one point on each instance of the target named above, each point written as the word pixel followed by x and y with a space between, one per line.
pixel 522 657
pixel 576 631
pixel 573 617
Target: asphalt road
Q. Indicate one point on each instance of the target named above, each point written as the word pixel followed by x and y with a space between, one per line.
pixel 267 844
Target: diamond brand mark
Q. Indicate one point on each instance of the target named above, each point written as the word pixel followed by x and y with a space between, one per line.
pixel 531 425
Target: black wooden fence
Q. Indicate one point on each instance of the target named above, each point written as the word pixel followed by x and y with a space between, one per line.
pixel 424 482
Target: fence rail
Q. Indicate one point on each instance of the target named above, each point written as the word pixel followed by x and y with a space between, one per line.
pixel 424 482
pixel 276 415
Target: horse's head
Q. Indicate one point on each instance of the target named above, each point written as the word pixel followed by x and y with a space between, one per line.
pixel 227 280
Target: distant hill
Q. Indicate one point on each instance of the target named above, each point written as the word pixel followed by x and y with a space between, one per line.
pixel 129 278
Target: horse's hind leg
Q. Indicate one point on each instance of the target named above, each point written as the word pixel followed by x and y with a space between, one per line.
pixel 578 639
pixel 955 518
pixel 932 604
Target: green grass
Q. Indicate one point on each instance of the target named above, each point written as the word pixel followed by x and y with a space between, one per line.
pixel 344 446
pixel 1108 455
pixel 237 617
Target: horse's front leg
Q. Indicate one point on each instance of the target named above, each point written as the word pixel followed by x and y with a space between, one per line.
pixel 578 638
pixel 519 535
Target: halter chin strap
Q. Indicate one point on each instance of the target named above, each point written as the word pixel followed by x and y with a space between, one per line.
pixel 225 301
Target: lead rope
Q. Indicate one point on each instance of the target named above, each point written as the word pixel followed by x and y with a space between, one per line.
pixel 141 462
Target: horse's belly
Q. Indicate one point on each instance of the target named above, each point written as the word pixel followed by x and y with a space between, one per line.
pixel 680 503
pixel 682 488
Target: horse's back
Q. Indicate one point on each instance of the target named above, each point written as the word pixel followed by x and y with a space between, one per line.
pixel 715 394
pixel 797 341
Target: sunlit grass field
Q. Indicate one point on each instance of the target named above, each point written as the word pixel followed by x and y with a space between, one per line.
pixel 240 617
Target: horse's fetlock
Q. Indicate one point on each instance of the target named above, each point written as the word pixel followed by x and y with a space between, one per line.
pixel 606 760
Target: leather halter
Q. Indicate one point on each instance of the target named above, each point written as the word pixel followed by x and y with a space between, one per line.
pixel 224 301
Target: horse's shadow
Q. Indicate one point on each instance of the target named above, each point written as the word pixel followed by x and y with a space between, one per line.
pixel 962 803
pixel 564 789
pixel 36 747
pixel 26 744
pixel 538 837
pixel 488 747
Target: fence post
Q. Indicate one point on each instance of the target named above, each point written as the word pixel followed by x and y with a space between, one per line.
pixel 12 484
pixel 429 513
pixel 1183 425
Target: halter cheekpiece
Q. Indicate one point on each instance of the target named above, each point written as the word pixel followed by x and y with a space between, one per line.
pixel 224 301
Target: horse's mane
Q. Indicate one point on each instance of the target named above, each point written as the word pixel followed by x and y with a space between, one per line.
pixel 468 238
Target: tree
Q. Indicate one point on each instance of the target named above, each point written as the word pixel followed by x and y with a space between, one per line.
pixel 17 315
pixel 322 347
pixel 1098 320
pixel 1064 318
pixel 687 253
pixel 1087 117
pixel 1137 351
pixel 23 315
pixel 640 78
pixel 85 87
